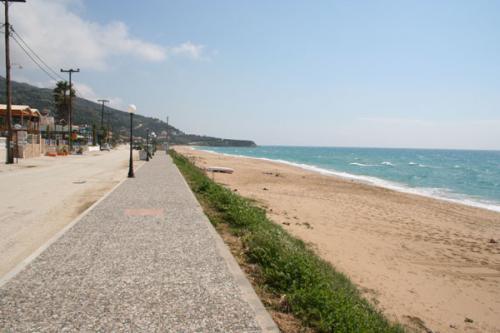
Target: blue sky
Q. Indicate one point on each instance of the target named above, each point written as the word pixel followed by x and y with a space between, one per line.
pixel 328 73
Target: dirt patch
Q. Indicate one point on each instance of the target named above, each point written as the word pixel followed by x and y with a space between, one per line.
pixel 84 206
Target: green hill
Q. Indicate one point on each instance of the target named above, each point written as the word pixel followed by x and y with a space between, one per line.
pixel 88 112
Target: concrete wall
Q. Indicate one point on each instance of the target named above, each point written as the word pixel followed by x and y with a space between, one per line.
pixel 3 151
pixel 30 150
pixel 30 147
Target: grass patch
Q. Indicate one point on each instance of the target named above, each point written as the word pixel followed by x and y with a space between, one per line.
pixel 322 298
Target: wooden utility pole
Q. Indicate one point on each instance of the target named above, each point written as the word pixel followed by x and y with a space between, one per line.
pixel 166 138
pixel 70 129
pixel 102 101
pixel 10 153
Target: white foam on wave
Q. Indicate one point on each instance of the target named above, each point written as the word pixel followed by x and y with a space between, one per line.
pixel 420 165
pixel 361 164
pixel 387 163
pixel 429 192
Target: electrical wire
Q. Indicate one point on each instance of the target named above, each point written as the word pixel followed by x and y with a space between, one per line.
pixel 33 59
pixel 54 76
pixel 47 70
pixel 36 55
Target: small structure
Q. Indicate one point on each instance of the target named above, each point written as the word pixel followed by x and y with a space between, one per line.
pixel 23 115
pixel 25 130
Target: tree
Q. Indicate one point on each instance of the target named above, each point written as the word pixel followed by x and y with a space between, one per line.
pixel 61 99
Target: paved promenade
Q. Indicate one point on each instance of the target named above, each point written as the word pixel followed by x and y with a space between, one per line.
pixel 144 259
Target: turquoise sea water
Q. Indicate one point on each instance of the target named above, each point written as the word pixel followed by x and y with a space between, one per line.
pixel 466 176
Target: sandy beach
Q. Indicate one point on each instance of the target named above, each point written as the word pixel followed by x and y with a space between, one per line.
pixel 40 196
pixel 430 264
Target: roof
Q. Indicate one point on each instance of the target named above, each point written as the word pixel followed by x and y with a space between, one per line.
pixel 15 107
pixel 17 110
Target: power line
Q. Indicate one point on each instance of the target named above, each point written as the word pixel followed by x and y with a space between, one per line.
pixel 32 59
pixel 55 77
pixel 36 55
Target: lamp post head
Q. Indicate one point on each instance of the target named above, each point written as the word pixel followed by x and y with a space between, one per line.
pixel 132 108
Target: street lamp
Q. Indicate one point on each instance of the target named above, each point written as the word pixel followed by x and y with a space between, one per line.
pixel 147 145
pixel 153 143
pixel 131 109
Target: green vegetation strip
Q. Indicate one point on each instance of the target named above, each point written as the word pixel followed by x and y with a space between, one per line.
pixel 319 296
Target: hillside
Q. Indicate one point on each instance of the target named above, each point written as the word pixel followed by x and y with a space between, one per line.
pixel 88 112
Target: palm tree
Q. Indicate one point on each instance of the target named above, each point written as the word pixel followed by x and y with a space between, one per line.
pixel 61 99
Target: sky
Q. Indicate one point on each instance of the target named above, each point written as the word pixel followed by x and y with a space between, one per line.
pixel 419 74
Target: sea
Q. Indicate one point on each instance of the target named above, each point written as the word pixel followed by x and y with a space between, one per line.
pixel 470 177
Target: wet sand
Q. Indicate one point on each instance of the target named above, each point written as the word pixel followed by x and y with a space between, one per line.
pixel 427 263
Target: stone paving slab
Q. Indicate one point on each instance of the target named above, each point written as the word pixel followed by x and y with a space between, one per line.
pixel 145 259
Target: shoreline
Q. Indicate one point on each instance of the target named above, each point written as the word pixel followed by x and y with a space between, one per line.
pixel 426 263
pixel 375 181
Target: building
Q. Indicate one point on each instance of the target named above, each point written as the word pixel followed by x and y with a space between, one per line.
pixel 23 118
pixel 26 136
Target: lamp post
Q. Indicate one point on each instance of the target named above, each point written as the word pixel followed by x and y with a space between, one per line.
pixel 131 109
pixel 147 145
pixel 153 143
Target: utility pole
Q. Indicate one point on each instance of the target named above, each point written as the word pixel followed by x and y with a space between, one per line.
pixel 166 139
pixel 108 127
pixel 70 129
pixel 102 101
pixel 10 153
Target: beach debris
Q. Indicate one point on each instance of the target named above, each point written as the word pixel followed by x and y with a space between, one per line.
pixel 219 169
pixel 308 225
pixel 270 173
pixel 265 189
pixel 235 190
pixel 286 223
pixel 468 320
pixel 492 241
pixel 80 182
pixel 453 326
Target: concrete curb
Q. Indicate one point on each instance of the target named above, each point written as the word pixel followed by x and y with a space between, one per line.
pixel 26 261
pixel 261 314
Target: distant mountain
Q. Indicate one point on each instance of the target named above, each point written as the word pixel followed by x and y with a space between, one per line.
pixel 88 112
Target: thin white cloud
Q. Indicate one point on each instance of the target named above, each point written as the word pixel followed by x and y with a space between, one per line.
pixel 188 49
pixel 86 91
pixel 64 39
pixel 56 31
